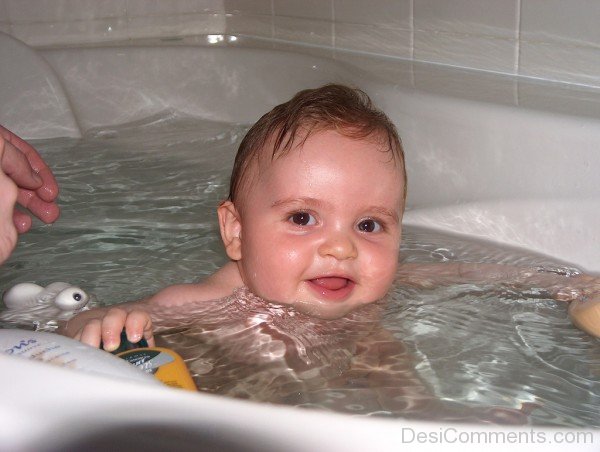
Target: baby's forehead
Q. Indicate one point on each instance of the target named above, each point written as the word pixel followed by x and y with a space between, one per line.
pixel 373 145
pixel 305 149
pixel 269 157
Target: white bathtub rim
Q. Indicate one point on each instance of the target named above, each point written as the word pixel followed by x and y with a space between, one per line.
pixel 557 228
pixel 40 400
pixel 29 83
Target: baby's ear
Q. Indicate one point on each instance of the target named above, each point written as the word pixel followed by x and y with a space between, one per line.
pixel 231 230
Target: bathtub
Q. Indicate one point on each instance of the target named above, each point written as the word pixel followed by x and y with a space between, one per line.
pixel 501 158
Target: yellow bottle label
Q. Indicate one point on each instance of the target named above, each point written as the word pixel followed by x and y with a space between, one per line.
pixel 165 364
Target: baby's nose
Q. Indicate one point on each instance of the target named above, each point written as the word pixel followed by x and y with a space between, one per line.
pixel 339 246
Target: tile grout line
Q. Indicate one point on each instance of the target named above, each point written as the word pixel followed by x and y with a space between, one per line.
pixel 517 62
pixel 333 25
pixel 412 29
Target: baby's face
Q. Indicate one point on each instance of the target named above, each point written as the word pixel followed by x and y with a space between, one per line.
pixel 321 226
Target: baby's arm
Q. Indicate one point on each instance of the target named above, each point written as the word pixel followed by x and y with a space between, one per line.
pixel 105 324
pixel 583 291
pixel 560 285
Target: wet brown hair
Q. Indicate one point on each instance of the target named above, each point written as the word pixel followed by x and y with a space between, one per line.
pixel 349 111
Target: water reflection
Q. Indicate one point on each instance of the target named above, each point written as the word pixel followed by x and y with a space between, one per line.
pixel 139 213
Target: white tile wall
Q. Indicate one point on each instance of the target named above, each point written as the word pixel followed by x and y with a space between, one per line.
pixel 174 25
pixel 143 8
pixel 252 7
pixel 249 24
pixel 467 33
pixel 575 21
pixel 311 9
pixel 4 19
pixel 382 13
pixel 494 17
pixel 308 31
pixel 383 27
pixel 3 13
pixel 50 22
pixel 96 30
pixel 249 17
pixel 308 21
pixel 26 11
pixel 373 39
pixel 550 39
pixel 561 40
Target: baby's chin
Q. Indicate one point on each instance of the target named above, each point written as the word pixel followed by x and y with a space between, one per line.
pixel 313 307
pixel 325 310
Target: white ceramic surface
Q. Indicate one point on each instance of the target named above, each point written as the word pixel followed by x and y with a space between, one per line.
pixel 504 159
pixel 490 156
pixel 33 99
pixel 544 39
pixel 51 409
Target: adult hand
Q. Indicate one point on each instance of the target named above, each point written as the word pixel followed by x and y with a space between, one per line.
pixel 8 198
pixel 37 187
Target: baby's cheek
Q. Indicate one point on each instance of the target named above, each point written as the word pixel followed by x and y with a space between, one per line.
pixel 269 278
pixel 380 272
pixel 291 256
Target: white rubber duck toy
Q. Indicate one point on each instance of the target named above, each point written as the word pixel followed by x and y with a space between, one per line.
pixel 61 295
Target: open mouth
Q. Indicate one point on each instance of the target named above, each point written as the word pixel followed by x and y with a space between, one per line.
pixel 332 287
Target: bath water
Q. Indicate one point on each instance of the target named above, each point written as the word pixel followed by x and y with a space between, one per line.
pixel 138 213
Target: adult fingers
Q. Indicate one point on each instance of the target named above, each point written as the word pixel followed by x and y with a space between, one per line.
pixel 16 166
pixel 48 191
pixel 8 197
pixel 48 212
pixel 22 221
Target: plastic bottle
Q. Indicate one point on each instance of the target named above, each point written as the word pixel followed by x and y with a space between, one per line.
pixel 166 365
pixel 64 352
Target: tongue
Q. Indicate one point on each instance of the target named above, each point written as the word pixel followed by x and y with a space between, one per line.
pixel 331 283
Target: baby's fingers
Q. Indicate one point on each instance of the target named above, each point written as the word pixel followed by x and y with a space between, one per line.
pixel 568 294
pixel 91 333
pixel 112 325
pixel 137 325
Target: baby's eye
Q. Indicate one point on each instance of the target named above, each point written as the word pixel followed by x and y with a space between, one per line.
pixel 369 225
pixel 303 219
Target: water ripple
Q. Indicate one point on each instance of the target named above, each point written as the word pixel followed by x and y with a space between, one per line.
pixel 138 213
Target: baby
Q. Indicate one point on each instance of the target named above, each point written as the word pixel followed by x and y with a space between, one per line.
pixel 313 220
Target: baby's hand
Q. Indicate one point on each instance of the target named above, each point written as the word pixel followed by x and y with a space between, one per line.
pixel 584 310
pixel 106 329
pixel 578 288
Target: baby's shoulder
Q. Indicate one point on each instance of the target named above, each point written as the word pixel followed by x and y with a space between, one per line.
pixel 220 284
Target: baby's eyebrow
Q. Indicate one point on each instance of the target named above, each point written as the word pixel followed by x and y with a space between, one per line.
pixel 302 201
pixel 391 214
